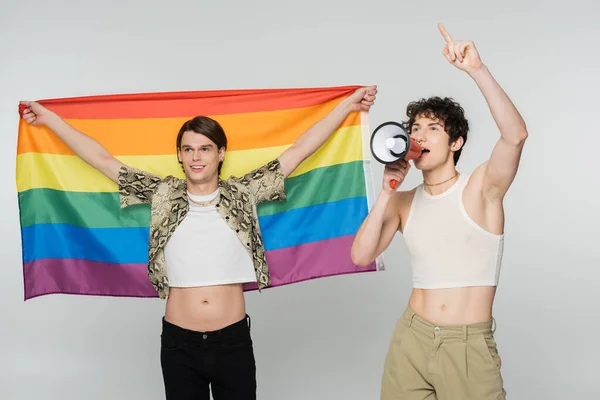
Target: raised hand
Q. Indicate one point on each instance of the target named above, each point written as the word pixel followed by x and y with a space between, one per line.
pixel 461 53
pixel 362 99
pixel 34 113
pixel 394 174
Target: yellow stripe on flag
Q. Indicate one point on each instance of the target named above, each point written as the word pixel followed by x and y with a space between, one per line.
pixel 71 173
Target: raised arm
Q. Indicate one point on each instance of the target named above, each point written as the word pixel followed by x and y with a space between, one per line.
pixel 310 141
pixel 267 183
pixel 501 169
pixel 88 149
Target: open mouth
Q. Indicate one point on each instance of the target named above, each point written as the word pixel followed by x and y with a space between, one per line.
pixel 197 168
pixel 424 151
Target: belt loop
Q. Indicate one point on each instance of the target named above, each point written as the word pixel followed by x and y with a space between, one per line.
pixel 465 333
pixel 493 325
pixel 249 322
pixel 410 321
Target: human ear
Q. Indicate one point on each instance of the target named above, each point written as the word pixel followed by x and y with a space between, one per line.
pixel 457 144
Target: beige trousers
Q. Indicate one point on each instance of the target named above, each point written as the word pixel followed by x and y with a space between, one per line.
pixel 425 361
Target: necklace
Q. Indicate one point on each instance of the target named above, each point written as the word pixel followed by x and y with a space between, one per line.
pixel 440 183
pixel 204 203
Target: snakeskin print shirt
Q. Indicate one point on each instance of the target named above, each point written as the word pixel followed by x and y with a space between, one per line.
pixel 169 206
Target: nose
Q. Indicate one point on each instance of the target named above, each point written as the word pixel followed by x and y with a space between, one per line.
pixel 419 138
pixel 417 135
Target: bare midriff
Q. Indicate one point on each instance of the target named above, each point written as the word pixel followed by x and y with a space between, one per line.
pixel 205 309
pixel 455 306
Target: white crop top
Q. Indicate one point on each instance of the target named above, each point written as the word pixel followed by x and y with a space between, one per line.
pixel 205 251
pixel 447 248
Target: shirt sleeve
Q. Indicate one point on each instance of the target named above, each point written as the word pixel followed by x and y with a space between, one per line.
pixel 136 186
pixel 265 183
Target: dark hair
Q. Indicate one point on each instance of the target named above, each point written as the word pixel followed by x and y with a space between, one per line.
pixel 446 110
pixel 205 126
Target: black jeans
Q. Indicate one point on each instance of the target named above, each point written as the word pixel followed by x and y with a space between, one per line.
pixel 224 360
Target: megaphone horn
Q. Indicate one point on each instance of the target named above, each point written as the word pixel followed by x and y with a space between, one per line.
pixel 391 143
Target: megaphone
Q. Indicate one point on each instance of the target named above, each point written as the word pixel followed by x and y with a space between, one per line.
pixel 391 143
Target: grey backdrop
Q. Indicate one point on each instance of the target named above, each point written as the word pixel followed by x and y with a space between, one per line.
pixel 324 339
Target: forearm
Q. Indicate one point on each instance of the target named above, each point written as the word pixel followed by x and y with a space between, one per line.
pixel 370 236
pixel 508 119
pixel 87 148
pixel 316 135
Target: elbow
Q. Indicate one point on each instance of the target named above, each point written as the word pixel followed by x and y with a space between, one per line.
pixel 518 138
pixel 523 135
pixel 359 259
pixel 291 158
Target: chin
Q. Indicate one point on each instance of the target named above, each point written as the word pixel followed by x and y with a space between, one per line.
pixel 421 166
pixel 427 165
pixel 201 177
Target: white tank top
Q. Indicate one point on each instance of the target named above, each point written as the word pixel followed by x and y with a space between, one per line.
pixel 447 248
pixel 205 251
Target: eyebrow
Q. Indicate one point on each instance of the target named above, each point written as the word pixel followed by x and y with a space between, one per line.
pixel 430 124
pixel 204 146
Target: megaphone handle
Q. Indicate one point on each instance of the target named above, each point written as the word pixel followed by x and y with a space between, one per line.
pixel 393 183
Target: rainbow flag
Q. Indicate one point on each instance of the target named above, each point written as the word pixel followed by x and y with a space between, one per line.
pixel 77 240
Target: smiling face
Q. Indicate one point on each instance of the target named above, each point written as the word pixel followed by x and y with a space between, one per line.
pixel 200 157
pixel 437 150
pixel 201 144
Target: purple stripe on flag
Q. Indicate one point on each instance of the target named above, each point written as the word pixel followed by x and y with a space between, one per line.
pixel 310 261
pixel 76 276
pixel 289 265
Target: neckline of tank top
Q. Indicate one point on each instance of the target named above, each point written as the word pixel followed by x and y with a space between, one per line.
pixel 461 178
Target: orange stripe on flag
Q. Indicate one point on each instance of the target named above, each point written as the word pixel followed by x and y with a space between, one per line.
pixel 155 136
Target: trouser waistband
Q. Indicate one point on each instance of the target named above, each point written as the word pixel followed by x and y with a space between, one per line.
pixel 432 330
pixel 242 325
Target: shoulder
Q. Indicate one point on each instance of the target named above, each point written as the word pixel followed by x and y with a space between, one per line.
pixel 269 171
pixel 232 188
pixel 404 198
pixel 265 183
pixel 132 175
pixel 234 184
pixel 401 202
pixel 173 181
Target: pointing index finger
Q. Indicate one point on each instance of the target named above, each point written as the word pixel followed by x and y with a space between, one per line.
pixel 444 33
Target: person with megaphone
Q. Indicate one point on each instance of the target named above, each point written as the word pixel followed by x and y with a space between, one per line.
pixel 443 346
